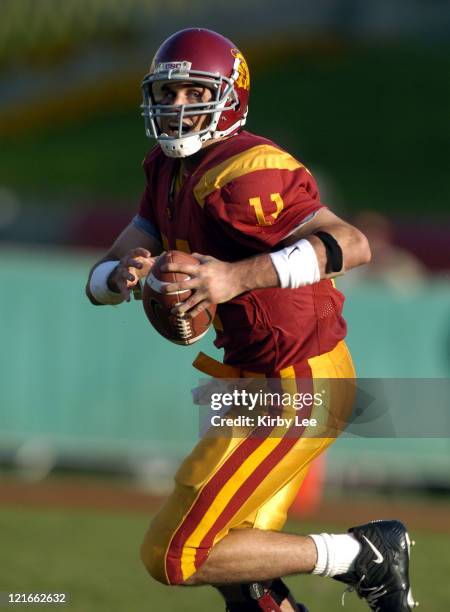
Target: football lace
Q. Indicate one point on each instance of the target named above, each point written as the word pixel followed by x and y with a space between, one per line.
pixel 184 327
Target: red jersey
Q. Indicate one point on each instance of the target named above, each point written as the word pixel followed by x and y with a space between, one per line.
pixel 244 198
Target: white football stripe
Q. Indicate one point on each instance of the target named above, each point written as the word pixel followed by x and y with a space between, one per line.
pixel 191 340
pixel 157 285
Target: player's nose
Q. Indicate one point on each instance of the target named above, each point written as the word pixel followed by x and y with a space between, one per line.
pixel 180 98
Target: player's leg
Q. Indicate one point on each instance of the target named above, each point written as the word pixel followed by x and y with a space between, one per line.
pixel 373 559
pixel 271 516
pixel 225 480
pixel 256 549
pixel 204 506
pixel 220 485
pixel 261 553
pixel 248 555
pixel 348 557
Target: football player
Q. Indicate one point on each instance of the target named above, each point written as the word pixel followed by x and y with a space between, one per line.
pixel 268 250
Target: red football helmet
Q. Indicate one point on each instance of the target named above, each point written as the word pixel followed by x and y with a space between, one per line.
pixel 205 58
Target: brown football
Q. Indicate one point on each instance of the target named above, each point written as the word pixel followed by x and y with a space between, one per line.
pixel 178 329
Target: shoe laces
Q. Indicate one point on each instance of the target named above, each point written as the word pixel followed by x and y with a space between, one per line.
pixel 370 594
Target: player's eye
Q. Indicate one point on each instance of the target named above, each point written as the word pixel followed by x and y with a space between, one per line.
pixel 167 96
pixel 195 94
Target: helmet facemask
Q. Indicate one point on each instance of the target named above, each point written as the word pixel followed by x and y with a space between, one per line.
pixel 224 98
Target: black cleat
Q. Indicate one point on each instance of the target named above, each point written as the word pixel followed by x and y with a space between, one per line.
pixel 381 572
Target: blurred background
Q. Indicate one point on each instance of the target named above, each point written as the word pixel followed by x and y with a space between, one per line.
pixel 356 89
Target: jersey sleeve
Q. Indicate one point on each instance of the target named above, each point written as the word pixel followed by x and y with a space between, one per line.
pixel 260 208
pixel 146 226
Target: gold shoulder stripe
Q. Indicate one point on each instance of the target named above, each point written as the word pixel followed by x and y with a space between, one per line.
pixel 261 157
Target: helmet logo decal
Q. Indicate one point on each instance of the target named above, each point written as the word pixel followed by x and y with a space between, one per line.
pixel 243 79
pixel 181 68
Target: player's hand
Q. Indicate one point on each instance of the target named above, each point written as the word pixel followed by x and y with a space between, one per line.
pixel 133 266
pixel 211 282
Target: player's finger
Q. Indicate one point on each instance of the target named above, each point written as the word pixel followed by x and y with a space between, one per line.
pixel 189 269
pixel 124 291
pixel 191 302
pixel 126 274
pixel 134 263
pixel 139 252
pixel 131 262
pixel 200 257
pixel 133 259
pixel 199 308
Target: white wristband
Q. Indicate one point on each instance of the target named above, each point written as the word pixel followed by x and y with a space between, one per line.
pixel 98 285
pixel 296 265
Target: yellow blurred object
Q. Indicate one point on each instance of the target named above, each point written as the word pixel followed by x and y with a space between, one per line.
pixel 112 94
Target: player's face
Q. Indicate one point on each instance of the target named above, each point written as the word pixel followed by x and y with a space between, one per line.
pixel 177 94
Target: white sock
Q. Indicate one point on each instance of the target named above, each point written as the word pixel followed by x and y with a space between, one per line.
pixel 336 553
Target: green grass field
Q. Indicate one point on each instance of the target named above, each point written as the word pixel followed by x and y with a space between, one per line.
pixel 94 557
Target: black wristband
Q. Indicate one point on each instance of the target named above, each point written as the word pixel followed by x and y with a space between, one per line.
pixel 335 260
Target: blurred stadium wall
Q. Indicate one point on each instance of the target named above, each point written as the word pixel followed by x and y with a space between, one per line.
pixel 97 387
pixel 358 89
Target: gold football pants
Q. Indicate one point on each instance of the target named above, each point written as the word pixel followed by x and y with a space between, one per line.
pixel 240 482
